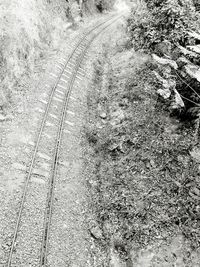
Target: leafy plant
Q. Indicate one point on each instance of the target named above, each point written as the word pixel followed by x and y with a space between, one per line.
pixel 162 20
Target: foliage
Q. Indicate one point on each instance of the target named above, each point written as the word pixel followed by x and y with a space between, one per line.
pixel 145 186
pixel 161 20
pixel 104 4
pixel 160 27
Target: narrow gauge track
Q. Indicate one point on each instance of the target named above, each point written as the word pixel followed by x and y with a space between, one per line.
pixel 48 215
pixel 77 55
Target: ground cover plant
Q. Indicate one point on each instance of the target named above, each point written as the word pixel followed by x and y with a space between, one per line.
pixel 162 20
pixel 145 186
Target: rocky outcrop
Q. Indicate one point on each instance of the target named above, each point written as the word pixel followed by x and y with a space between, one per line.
pixel 178 74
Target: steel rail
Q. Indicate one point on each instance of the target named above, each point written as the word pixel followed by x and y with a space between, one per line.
pixel 50 198
pixel 33 158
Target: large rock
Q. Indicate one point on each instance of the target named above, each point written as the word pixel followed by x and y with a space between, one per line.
pixel 178 102
pixel 194 48
pixel 193 71
pixel 165 61
pixel 187 52
pixel 182 61
pixel 167 86
pixel 194 35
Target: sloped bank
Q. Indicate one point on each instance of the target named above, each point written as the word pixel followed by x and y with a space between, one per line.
pixel 144 183
pixel 32 32
pixel 29 30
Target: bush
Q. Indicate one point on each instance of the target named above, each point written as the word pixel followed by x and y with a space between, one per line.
pixel 162 20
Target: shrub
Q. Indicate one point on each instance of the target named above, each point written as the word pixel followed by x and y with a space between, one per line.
pixel 162 20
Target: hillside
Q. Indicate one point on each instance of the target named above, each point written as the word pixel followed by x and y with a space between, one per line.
pixel 31 32
pixel 47 51
pixel 28 31
pixel 143 136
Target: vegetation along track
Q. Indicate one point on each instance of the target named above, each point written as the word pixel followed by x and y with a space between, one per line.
pixel 46 149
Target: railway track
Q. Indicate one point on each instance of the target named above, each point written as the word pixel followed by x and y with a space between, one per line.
pixel 39 185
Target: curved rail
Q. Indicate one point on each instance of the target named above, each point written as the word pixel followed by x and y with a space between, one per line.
pixel 48 215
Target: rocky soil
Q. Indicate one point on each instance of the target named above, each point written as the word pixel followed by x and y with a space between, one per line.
pixel 144 180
